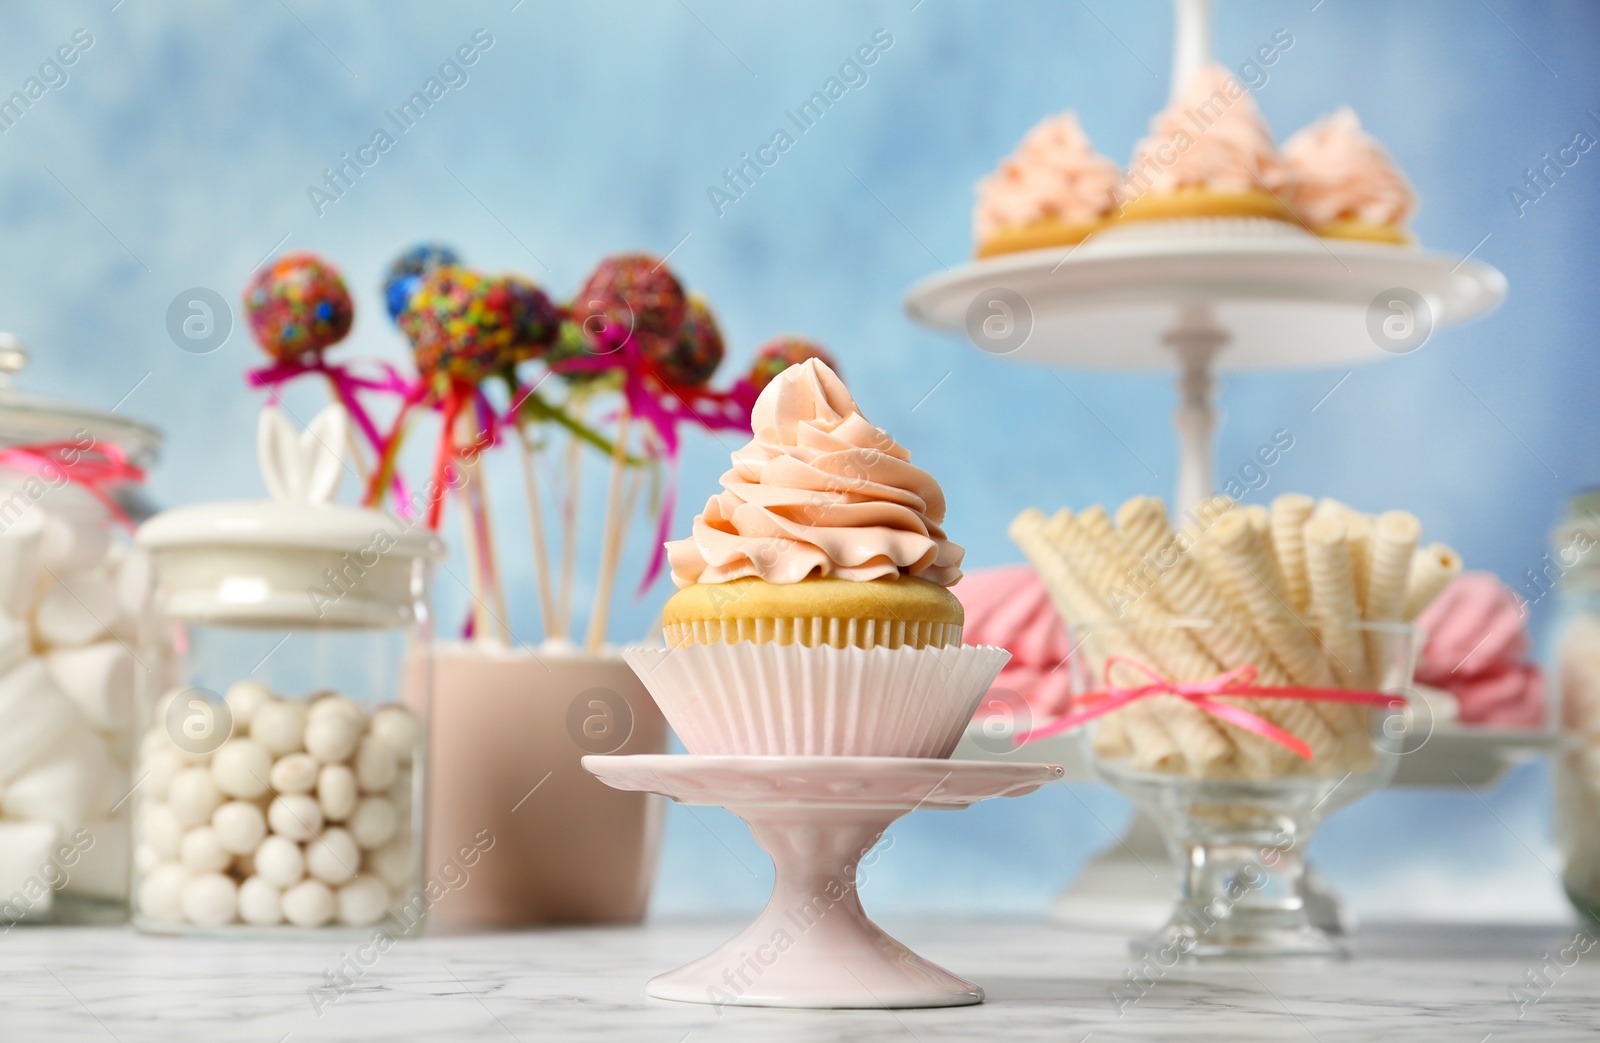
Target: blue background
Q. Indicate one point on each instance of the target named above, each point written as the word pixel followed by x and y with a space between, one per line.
pixel 179 152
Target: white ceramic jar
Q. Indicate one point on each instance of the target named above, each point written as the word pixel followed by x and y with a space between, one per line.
pixel 73 594
pixel 282 772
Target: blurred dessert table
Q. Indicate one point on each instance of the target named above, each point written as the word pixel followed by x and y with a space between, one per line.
pixel 1411 981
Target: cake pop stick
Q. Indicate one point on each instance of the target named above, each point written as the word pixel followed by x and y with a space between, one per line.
pixel 541 554
pixel 611 546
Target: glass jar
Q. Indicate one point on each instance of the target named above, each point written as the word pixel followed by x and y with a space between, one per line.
pixel 1576 573
pixel 73 595
pixel 282 771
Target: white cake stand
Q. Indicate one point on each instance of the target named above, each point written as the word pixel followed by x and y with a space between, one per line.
pixel 817 817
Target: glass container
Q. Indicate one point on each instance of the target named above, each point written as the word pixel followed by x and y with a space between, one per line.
pixel 1573 568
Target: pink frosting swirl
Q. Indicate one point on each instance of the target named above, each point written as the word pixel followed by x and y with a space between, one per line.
pixel 1477 650
pixel 818 492
pixel 1010 608
pixel 1344 174
pixel 1055 173
pixel 1211 135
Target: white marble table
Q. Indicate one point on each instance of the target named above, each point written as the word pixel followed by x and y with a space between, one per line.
pixel 1437 983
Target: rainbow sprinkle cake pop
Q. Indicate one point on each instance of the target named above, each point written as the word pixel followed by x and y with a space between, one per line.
pixel 636 292
pixel 460 325
pixel 406 271
pixel 535 319
pixel 779 353
pixel 691 359
pixel 298 306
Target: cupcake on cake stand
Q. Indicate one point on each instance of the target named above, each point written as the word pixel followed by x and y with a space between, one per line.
pixel 815 673
pixel 1222 255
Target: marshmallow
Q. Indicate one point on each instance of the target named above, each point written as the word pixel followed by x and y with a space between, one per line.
pixel 15 645
pixel 102 869
pixel 77 610
pixel 295 816
pixel 308 904
pixel 240 768
pixel 161 893
pixel 20 570
pixel 331 737
pixel 160 829
pixel 67 545
pixel 374 822
pixel 295 773
pixel 333 857
pixel 99 678
pixel 240 827
pixel 145 859
pixel 209 900
pixel 336 791
pixel 244 698
pixel 279 726
pixel 279 861
pixel 25 849
pixel 35 713
pixel 193 796
pixel 131 573
pixel 376 766
pixel 362 902
pixel 63 786
pixel 260 903
pixel 395 862
pixel 201 851
pixel 115 790
pixel 399 728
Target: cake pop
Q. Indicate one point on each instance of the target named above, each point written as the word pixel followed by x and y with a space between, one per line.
pixel 535 319
pixel 460 324
pixel 691 359
pixel 297 306
pixel 779 353
pixel 637 293
pixel 406 272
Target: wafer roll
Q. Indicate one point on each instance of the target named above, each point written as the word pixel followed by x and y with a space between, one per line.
pixel 1333 599
pixel 1432 569
pixel 1395 536
pixel 1290 512
pixel 1358 533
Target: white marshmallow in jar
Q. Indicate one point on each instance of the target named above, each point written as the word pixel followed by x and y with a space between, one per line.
pixel 73 601
pixel 282 761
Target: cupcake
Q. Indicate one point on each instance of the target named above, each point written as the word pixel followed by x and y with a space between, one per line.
pixel 1055 190
pixel 813 615
pixel 1208 154
pixel 824 533
pixel 1345 184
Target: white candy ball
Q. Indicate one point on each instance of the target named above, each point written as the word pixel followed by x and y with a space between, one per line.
pixel 374 822
pixel 239 826
pixel 333 857
pixel 260 903
pixel 280 726
pixel 296 816
pixel 244 698
pixel 241 767
pixel 395 864
pixel 159 827
pixel 362 902
pixel 159 769
pixel 145 859
pixel 161 892
pixel 376 766
pixel 400 793
pixel 398 728
pixel 295 773
pixel 308 904
pixel 332 737
pixel 201 852
pixel 279 862
pixel 193 796
pixel 336 791
pixel 210 900
pixel 331 702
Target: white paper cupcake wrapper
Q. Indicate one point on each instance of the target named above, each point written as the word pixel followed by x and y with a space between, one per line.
pixel 789 700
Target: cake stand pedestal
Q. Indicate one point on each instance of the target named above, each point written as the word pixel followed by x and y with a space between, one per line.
pixel 817 817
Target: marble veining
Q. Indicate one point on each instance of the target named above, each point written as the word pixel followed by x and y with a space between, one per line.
pixel 1423 982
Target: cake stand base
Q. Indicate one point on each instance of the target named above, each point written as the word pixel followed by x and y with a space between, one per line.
pixel 817 817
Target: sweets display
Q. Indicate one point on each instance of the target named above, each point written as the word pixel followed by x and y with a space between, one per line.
pixel 302 817
pixel 1345 186
pixel 1306 595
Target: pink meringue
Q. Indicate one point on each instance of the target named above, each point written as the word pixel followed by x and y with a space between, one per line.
pixel 1477 650
pixel 1009 607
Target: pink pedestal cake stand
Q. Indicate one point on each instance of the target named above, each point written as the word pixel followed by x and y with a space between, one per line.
pixel 813 945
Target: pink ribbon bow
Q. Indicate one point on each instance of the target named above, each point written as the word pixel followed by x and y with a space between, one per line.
pixel 93 467
pixel 1239 681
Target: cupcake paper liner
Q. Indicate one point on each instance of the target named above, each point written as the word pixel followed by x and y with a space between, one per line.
pixel 790 700
pixel 815 631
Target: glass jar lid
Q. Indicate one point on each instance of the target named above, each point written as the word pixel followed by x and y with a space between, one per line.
pixel 31 420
